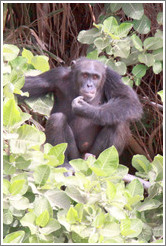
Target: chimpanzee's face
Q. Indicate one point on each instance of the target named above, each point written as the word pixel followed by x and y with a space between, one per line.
pixel 90 79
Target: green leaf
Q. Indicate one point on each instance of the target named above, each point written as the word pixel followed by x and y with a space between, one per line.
pixel 7 217
pixel 52 225
pixel 149 205
pixel 153 43
pixel 139 70
pixel 41 105
pixel 147 59
pixel 159 34
pixel 157 67
pixel 132 201
pixel 20 203
pixel 116 212
pixel 76 238
pixel 79 207
pixel 10 52
pixel 72 215
pixel 119 67
pixel 6 186
pixel 110 25
pixel 160 18
pixel 18 84
pixel 143 25
pixel 93 55
pixel 42 219
pixel 103 59
pixel 6 69
pixel 121 48
pixel 58 198
pixel 76 194
pixel 132 58
pixel 158 231
pixel 28 137
pixel 79 165
pixel 23 186
pixel 158 54
pixel 115 7
pixel 28 55
pixel 29 221
pixel 41 174
pixel 93 238
pixel 123 30
pixel 157 166
pixel 146 233
pixel 88 37
pixel 107 162
pixel 99 220
pixel 121 171
pixel 98 26
pixel 40 63
pixel 127 81
pixel 110 191
pixel 11 114
pixel 24 117
pixel 16 187
pixel 137 42
pixel 56 155
pixel 101 43
pixel 19 64
pixel 131 227
pixel 141 163
pixel 125 227
pixel 135 188
pixel 41 204
pixel 8 167
pixel 137 81
pixel 21 163
pixel 14 237
pixel 133 10
pixel 160 93
pixel 110 229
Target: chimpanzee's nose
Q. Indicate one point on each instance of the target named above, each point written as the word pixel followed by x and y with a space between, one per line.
pixel 89 85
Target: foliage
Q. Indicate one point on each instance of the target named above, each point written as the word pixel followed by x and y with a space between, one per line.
pixel 41 205
pixel 52 29
pixel 119 45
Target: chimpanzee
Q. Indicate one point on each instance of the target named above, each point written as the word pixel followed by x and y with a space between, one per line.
pixel 92 107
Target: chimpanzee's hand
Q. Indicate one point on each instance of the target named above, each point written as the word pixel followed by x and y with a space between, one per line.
pixel 79 105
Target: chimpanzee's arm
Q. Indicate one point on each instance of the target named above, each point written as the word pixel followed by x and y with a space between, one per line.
pixel 46 82
pixel 115 111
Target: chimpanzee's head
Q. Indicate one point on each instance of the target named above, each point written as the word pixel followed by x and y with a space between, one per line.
pixel 89 77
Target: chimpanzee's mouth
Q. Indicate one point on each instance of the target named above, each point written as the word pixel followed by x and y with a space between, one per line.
pixel 88 96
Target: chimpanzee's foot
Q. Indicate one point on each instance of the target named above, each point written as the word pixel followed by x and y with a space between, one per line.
pixel 70 169
pixel 86 155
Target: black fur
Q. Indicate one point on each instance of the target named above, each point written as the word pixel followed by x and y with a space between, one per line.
pixel 92 109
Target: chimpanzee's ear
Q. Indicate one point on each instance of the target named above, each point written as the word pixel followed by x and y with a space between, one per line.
pixel 73 63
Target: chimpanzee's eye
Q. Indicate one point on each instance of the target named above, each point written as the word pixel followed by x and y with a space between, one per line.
pixel 85 75
pixel 95 76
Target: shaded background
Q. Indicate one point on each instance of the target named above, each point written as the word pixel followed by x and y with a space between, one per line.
pixel 52 28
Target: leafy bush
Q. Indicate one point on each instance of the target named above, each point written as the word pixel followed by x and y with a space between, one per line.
pixel 119 45
pixel 41 205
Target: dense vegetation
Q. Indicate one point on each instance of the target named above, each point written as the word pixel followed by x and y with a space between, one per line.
pixel 41 205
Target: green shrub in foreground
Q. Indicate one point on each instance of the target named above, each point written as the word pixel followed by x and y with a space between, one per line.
pixel 41 205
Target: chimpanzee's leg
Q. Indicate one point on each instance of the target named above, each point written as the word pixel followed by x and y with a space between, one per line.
pixel 58 131
pixel 111 135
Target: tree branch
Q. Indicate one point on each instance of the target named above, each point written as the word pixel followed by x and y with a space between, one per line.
pixel 128 178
